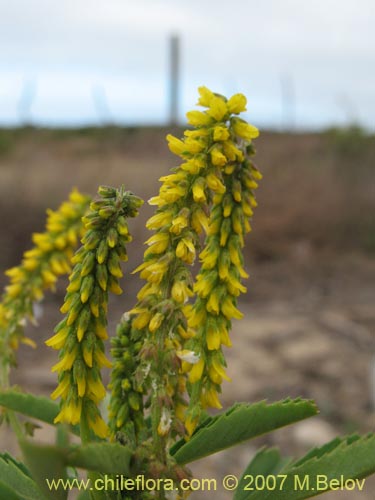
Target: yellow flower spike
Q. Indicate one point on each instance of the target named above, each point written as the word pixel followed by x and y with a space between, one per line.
pixel 81 333
pixel 206 193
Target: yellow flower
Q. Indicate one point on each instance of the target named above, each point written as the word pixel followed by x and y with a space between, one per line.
pixel 210 398
pixel 199 221
pixel 58 340
pixel 176 145
pixel 221 133
pixel 198 118
pixel 244 129
pixel 62 389
pixel 229 310
pixel 206 96
pixel 217 158
pixel 179 223
pixel 181 292
pixel 194 165
pixel 66 361
pixel 198 190
pixel 155 322
pixel 185 250
pixel 98 425
pixel 213 337
pixel 214 183
pixel 196 372
pixel 237 103
pixel 217 108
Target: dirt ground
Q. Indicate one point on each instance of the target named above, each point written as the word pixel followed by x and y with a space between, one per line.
pixel 309 312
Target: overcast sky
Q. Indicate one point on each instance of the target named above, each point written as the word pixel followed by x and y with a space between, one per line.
pixel 303 63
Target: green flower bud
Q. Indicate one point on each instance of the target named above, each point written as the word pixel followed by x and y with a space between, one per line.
pixel 112 237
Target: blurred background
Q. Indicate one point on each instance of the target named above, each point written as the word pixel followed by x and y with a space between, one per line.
pixel 88 91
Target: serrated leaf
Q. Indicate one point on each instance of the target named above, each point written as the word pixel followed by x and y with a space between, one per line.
pixel 46 463
pixel 240 423
pixel 15 481
pixel 108 458
pixel 38 407
pixel 267 461
pixel 351 458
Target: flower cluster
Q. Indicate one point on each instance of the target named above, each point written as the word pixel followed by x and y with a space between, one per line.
pixel 212 153
pixel 126 420
pixel 218 284
pixel 79 336
pixel 39 270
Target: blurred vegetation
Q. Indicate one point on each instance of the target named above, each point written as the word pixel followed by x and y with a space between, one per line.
pixel 318 192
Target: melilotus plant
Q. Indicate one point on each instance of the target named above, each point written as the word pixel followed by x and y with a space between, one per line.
pixel 136 437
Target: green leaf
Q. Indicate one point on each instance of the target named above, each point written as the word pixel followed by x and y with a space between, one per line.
pixel 15 481
pixel 46 464
pixel 38 407
pixel 7 493
pixel 351 459
pixel 84 495
pixel 267 462
pixel 108 458
pixel 239 423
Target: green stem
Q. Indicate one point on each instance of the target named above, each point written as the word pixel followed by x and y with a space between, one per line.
pixel 16 426
pixel 84 429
